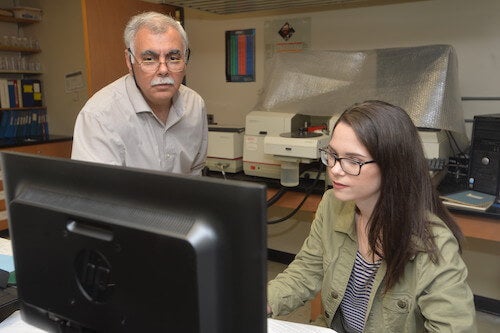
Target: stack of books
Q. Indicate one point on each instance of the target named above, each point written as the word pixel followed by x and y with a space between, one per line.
pixel 469 200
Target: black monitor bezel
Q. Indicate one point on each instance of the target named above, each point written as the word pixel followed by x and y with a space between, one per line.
pixel 240 206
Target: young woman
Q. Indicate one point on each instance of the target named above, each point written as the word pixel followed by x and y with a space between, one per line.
pixel 382 249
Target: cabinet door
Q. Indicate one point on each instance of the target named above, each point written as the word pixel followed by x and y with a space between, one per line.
pixel 103 25
pixel 53 149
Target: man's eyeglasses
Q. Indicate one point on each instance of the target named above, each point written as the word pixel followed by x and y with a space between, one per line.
pixel 150 64
pixel 350 166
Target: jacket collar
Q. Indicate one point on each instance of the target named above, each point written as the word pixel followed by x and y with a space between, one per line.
pixel 346 218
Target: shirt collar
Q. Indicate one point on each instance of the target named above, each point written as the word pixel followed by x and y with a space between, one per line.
pixel 136 99
pixel 346 218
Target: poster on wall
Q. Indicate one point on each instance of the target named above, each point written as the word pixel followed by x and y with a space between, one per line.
pixel 287 35
pixel 240 55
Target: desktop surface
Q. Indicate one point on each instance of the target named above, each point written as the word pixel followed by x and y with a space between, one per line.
pixel 8 302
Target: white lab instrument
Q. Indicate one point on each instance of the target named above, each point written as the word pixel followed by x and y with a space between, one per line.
pixel 276 143
pixel 436 143
pixel 258 125
pixel 225 148
pixel 292 149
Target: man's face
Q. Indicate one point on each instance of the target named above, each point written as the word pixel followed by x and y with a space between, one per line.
pixel 162 47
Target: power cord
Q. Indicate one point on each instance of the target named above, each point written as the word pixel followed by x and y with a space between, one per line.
pixel 451 139
pixel 223 166
pixel 308 192
pixel 276 196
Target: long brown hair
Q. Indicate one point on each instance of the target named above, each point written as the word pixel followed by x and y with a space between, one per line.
pixel 406 191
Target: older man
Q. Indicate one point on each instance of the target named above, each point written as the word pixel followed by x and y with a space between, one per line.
pixel 147 118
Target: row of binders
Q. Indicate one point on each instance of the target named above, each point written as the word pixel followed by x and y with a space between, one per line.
pixel 19 93
pixel 24 124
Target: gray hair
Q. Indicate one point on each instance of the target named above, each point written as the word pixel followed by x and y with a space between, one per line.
pixel 156 23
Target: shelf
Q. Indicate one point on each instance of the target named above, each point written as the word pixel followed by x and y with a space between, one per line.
pixel 26 145
pixel 26 50
pixel 5 71
pixel 17 20
pixel 21 46
pixel 24 108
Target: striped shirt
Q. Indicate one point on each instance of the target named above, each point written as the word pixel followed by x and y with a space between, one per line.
pixel 355 301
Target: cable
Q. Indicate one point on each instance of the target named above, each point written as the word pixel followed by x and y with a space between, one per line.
pixel 308 192
pixel 276 196
pixel 452 138
pixel 222 166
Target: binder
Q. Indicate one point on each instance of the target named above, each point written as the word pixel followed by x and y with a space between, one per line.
pixel 4 123
pixel 4 94
pixel 10 131
pixel 31 90
pixel 33 127
pixel 23 125
pixel 44 124
pixel 19 93
pixel 11 89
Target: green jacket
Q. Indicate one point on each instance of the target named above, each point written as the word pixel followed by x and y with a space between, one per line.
pixel 428 298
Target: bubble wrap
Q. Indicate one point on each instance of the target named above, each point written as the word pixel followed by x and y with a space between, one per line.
pixel 422 80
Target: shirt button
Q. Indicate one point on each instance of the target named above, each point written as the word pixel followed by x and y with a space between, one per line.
pixel 334 295
pixel 402 304
pixel 327 315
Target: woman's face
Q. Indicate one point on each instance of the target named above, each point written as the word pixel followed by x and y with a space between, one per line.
pixel 363 189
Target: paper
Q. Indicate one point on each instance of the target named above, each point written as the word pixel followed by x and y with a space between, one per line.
pixel 15 324
pixel 7 263
pixel 74 81
pixel 5 246
pixel 280 326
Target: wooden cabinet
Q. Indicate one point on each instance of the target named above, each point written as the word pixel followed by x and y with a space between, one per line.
pixel 474 226
pixel 103 24
pixel 55 148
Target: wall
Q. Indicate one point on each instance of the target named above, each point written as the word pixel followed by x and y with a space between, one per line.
pixel 472 27
pixel 61 38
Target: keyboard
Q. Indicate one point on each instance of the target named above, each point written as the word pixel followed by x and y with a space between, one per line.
pixel 436 164
pixel 8 302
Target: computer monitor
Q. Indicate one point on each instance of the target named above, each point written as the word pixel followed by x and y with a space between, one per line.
pixel 112 249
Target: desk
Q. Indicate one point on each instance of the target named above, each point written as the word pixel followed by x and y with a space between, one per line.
pixel 57 146
pixel 291 199
pixel 474 226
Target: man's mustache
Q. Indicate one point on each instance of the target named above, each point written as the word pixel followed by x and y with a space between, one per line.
pixel 162 80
